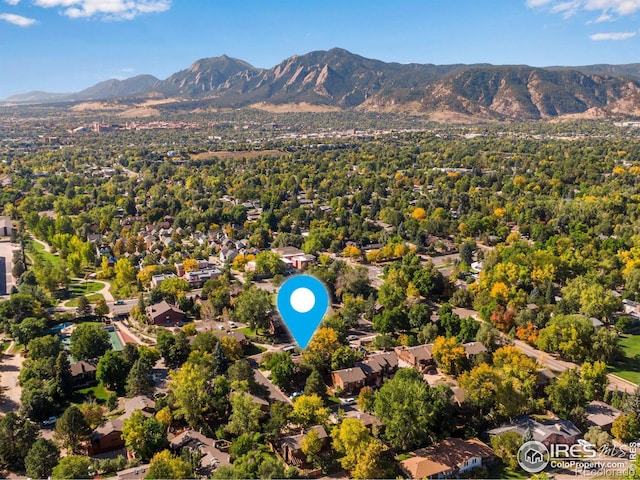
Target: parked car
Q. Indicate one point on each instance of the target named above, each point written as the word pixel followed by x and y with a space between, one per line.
pixel 347 401
pixel 352 338
pixel 49 421
pixel 119 302
pixel 295 395
pixel 232 325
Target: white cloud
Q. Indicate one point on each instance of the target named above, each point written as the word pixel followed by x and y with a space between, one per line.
pixel 12 2
pixel 18 20
pixel 537 3
pixel 604 17
pixel 612 36
pixel 606 9
pixel 106 9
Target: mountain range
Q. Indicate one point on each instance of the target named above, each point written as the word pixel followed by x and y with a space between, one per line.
pixel 340 79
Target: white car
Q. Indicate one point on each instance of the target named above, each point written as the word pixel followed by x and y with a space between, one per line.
pixel 347 401
pixel 50 421
pixel 352 338
pixel 232 325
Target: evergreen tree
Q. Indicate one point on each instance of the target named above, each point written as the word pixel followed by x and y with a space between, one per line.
pixel 139 380
pixel 315 385
pixel 64 380
pixel 220 362
pixel 72 429
pixel 17 434
pixel 84 308
pixel 43 456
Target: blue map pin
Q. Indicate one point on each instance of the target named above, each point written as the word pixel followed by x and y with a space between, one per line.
pixel 302 302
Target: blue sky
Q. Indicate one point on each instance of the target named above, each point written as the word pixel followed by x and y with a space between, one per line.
pixel 68 45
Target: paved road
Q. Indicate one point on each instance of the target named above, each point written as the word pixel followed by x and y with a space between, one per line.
pixel 544 358
pixel 557 365
pixel 9 370
pixel 126 307
pixel 551 362
pixel 274 392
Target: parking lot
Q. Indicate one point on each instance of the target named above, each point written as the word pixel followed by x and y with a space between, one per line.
pixel 6 251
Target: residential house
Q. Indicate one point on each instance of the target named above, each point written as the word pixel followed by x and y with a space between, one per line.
pixel 211 456
pixel 291 447
pixel 295 258
pixel 557 432
pixel 349 380
pixel 139 402
pixel 165 314
pixel 630 307
pixel 227 255
pixel 473 348
pixel 448 459
pixel 93 237
pixel 371 247
pixel 378 367
pixel 372 422
pixel 202 265
pixel 83 372
pixel 107 437
pixel 103 250
pixel 240 337
pixel 196 278
pixel 600 414
pixel 134 473
pixel 302 262
pixel 156 280
pixel 418 357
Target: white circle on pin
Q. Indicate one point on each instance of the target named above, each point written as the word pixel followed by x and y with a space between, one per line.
pixel 302 300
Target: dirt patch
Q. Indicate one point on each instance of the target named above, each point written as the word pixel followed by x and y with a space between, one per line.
pixel 139 113
pixel 591 114
pixel 225 155
pixel 294 108
pixel 85 106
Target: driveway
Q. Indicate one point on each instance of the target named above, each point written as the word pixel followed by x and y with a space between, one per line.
pixel 274 392
pixel 9 370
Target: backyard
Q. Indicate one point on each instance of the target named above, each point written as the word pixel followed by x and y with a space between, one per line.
pixel 629 367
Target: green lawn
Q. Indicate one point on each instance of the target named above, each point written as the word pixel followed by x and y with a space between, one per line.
pixel 248 331
pixel 93 298
pixel 253 350
pixel 404 456
pixel 3 345
pixel 39 248
pixel 98 392
pixel 630 344
pixel 85 288
pixel 629 368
